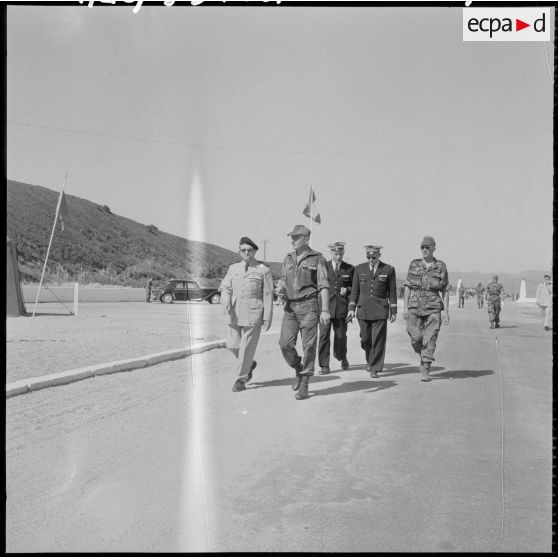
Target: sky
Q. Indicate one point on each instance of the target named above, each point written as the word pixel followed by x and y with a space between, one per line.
pixel 212 122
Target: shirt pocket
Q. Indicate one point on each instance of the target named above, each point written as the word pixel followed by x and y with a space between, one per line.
pixel 435 280
pixel 308 273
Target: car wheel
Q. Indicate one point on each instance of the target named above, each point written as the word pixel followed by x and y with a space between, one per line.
pixel 215 299
pixel 166 298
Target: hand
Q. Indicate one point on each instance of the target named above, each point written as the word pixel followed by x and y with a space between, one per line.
pixel 325 318
pixel 350 316
pixel 343 291
pixel 266 325
pixel 227 309
pixel 392 318
pixel 445 317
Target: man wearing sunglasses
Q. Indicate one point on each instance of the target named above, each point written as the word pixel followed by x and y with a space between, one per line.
pixel 303 280
pixel 247 300
pixel 374 296
pixel 426 303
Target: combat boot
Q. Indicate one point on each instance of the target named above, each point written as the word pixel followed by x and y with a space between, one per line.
pixel 239 385
pixel 250 373
pixel 425 372
pixel 298 378
pixel 302 393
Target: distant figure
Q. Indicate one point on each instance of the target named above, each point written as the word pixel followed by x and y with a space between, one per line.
pixel 544 302
pixel 494 295
pixel 148 289
pixel 374 298
pixel 426 304
pixel 461 297
pixel 247 300
pixel 340 276
pixel 480 295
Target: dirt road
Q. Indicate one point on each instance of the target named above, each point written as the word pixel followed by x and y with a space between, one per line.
pixel 168 459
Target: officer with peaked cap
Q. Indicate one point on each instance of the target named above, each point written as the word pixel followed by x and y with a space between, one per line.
pixel 426 303
pixel 340 276
pixel 374 297
pixel 303 281
pixel 247 300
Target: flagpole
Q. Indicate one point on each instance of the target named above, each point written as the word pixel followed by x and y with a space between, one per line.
pixel 311 208
pixel 50 243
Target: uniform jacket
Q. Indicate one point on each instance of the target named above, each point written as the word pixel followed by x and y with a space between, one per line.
pixel 544 295
pixel 427 284
pixel 374 296
pixel 247 295
pixel 305 278
pixel 494 291
pixel 339 305
pixel 480 291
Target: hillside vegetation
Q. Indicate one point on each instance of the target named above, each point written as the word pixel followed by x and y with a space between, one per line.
pixel 98 246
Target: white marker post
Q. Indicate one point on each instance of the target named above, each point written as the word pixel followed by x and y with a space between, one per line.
pixel 76 299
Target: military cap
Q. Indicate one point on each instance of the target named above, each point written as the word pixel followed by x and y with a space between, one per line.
pixel 428 241
pixel 547 276
pixel 372 248
pixel 246 240
pixel 300 229
pixel 337 247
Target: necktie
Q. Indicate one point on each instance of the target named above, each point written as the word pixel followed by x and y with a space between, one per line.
pixel 336 267
pixel 245 268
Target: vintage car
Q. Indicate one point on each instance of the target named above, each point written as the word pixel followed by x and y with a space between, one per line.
pixel 182 289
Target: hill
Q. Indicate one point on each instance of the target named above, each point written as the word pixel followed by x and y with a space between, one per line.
pixel 98 246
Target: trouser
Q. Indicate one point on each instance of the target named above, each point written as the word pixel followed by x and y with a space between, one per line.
pixel 373 335
pixel 479 301
pixel 423 331
pixel 546 316
pixel 494 311
pixel 242 342
pixel 339 341
pixel 300 316
pixel 147 296
pixel 461 302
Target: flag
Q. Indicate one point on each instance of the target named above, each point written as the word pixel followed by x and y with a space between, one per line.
pixel 311 209
pixel 62 210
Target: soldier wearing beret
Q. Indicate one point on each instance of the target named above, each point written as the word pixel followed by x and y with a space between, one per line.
pixel 303 280
pixel 374 296
pixel 426 303
pixel 340 276
pixel 247 300
pixel 494 297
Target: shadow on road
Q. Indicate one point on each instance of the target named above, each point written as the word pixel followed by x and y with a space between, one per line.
pixel 406 369
pixel 507 327
pixel 254 384
pixel 369 386
pixel 459 374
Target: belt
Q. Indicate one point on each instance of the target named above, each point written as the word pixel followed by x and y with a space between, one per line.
pixel 428 292
pixel 304 298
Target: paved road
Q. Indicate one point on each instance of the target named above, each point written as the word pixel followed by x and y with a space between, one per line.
pixel 168 459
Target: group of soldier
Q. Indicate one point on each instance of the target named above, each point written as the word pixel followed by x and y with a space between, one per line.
pixel 319 296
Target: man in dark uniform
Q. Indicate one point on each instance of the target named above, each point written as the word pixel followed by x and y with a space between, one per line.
pixel 426 303
pixel 303 280
pixel 461 296
pixel 340 276
pixel 374 295
pixel 480 295
pixel 494 294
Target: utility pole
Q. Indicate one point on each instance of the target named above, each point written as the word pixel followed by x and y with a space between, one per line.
pixel 265 241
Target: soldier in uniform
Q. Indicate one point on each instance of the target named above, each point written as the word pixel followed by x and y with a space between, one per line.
pixel 461 296
pixel 340 276
pixel 303 280
pixel 247 300
pixel 148 288
pixel 426 303
pixel 544 302
pixel 494 295
pixel 374 295
pixel 480 295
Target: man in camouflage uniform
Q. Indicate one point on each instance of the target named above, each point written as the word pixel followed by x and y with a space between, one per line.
pixel 494 295
pixel 303 280
pixel 480 295
pixel 426 303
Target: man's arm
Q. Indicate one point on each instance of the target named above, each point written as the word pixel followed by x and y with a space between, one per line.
pixel 323 287
pixel 226 291
pixel 392 295
pixel 355 295
pixel 267 298
pixel 406 295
